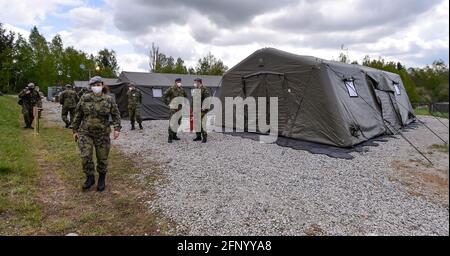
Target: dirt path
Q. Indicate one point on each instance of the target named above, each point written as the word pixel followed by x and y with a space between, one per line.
pixel 65 209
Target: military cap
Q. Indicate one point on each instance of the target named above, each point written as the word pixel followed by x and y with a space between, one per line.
pixel 96 79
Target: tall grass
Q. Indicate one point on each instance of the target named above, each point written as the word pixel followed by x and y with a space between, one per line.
pixel 17 168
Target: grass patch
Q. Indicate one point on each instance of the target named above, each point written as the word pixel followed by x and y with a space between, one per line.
pixel 40 186
pixel 18 176
pixel 440 147
pixel 426 112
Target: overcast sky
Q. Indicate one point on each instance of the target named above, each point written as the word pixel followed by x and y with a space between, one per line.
pixel 415 32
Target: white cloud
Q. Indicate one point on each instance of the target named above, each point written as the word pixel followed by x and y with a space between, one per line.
pixel 413 32
pixel 16 30
pixel 31 12
pixel 91 40
pixel 88 18
pixel 133 62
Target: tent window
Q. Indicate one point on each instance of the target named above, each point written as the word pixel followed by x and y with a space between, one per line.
pixel 157 93
pixel 397 89
pixel 350 84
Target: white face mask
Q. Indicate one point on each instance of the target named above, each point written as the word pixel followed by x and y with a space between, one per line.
pixel 179 84
pixel 97 89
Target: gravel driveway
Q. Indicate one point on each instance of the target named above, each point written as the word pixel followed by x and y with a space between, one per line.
pixel 235 186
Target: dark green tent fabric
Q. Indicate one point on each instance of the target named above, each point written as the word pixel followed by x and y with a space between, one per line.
pixel 315 103
pixel 153 107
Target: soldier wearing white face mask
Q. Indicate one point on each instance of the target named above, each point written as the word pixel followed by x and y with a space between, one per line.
pixel 92 128
pixel 134 106
pixel 170 94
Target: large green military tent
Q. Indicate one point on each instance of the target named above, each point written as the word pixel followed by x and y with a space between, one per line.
pixel 321 101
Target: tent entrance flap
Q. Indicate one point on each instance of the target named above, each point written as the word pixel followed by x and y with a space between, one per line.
pixel 388 110
pixel 260 87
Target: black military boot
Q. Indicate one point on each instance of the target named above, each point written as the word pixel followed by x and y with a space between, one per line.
pixel 170 138
pixel 199 136
pixel 67 125
pixel 101 182
pixel 204 140
pixel 140 126
pixel 132 126
pixel 175 137
pixel 90 181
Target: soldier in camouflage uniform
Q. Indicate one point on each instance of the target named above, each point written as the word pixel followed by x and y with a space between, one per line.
pixel 134 106
pixel 170 94
pixel 29 98
pixel 83 91
pixel 91 129
pixel 203 135
pixel 69 100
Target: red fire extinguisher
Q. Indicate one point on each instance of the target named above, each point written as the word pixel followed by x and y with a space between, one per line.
pixel 191 121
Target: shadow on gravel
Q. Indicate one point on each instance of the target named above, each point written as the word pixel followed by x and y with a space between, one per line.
pixel 316 148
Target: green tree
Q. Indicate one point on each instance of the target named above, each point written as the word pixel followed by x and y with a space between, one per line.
pixel 6 58
pixel 180 68
pixel 23 54
pixel 42 67
pixel 107 61
pixel 433 81
pixel 72 61
pixel 161 63
pixel 397 68
pixel 167 64
pixel 210 65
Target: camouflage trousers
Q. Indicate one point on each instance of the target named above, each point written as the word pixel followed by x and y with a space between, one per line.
pixel 134 112
pixel 173 133
pixel 203 133
pixel 28 115
pixel 65 113
pixel 102 144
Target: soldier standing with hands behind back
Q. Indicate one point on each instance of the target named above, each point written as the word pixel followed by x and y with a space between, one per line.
pixel 174 91
pixel 204 94
pixel 92 128
pixel 134 105
pixel 29 98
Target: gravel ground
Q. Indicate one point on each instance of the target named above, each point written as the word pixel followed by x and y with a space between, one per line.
pixel 235 186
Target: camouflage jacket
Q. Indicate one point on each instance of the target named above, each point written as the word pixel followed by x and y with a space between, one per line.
pixel 134 97
pixel 31 99
pixel 93 115
pixel 204 94
pixel 173 92
pixel 82 92
pixel 68 98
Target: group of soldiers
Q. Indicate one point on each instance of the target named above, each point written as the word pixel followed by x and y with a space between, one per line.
pixel 91 113
pixel 178 91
